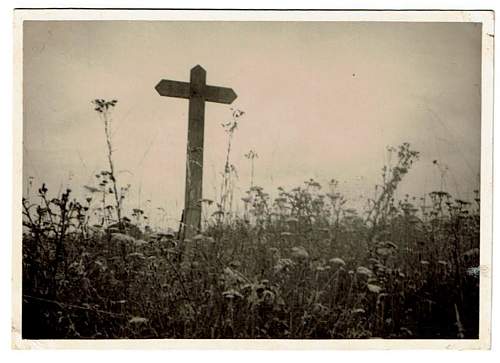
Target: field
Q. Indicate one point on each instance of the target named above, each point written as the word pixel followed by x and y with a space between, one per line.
pixel 298 266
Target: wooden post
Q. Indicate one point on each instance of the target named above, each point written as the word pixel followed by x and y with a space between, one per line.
pixel 197 91
pixel 194 163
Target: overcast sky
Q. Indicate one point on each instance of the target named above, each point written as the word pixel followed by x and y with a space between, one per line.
pixel 322 100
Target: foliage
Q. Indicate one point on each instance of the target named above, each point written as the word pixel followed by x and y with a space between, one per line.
pixel 299 266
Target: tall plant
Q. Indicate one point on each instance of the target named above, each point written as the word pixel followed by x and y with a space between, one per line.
pixel 104 108
pixel 226 197
pixel 382 205
pixel 251 155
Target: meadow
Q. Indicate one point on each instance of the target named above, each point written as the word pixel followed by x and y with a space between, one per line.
pixel 301 265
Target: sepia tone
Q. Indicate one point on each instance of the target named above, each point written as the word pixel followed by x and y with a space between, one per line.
pixel 340 195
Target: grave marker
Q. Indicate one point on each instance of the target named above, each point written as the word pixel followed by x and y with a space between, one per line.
pixel 198 92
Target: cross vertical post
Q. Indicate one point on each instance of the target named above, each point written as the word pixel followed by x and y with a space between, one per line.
pixel 194 162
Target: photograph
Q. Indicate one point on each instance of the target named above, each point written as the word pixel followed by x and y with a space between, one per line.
pixel 253 176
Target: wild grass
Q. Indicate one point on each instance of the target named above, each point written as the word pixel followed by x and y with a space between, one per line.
pixel 298 266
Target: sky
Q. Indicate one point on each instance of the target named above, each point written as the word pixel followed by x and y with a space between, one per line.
pixel 322 100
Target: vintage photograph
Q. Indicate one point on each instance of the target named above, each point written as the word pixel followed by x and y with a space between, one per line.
pixel 252 179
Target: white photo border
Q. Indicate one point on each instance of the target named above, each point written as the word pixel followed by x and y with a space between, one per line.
pixel 487 101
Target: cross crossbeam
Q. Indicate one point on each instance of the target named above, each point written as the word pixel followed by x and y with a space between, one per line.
pixel 183 90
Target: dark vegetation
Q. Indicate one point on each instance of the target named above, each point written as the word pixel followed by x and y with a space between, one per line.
pixel 298 266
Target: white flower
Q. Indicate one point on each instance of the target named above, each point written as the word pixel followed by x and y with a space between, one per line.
pixel 140 242
pixel 137 320
pixel 473 271
pixel 384 251
pixel 136 255
pixel 337 261
pixel 389 244
pixel 300 253
pixel 235 264
pixel 283 264
pixel 374 288
pixel 198 237
pixel 123 238
pixel 231 294
pixel 364 272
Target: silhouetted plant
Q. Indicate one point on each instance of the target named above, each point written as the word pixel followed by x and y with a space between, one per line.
pixel 304 266
pixel 104 108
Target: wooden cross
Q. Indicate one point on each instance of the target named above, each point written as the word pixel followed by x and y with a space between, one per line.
pixel 197 91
